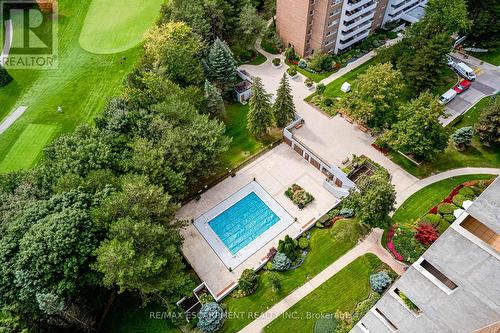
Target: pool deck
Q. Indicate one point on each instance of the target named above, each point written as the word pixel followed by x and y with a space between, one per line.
pixel 275 172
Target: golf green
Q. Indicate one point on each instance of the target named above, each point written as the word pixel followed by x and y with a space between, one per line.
pixel 80 85
pixel 116 26
pixel 27 147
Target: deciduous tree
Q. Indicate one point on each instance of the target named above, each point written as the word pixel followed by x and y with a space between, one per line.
pixel 418 130
pixel 488 127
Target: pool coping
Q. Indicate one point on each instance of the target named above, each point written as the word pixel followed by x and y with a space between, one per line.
pixel 217 245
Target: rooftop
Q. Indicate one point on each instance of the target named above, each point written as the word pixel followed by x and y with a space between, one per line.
pixel 486 208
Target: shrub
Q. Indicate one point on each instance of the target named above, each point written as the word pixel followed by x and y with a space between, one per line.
pixel 489 123
pixel 206 298
pixel 281 262
pixel 426 234
pixel 211 317
pixel 347 212
pixel 302 64
pixel 365 305
pixel 442 226
pixel 288 246
pixel 467 192
pixel 462 137
pixel 477 189
pixel 327 101
pixel 308 82
pixel 319 225
pixel 449 217
pixel 446 208
pixel 380 281
pixel 291 71
pixel 248 282
pixel 5 77
pixel 320 88
pixel 406 245
pixel 303 243
pixel 276 61
pixel 433 219
pixel 325 325
pixel 459 200
pixel 275 280
pixel 290 54
pixel 320 62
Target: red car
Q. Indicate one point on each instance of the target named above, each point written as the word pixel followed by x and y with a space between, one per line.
pixel 462 86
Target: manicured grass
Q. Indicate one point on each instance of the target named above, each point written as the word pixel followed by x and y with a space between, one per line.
pixel 476 155
pixel 492 57
pixel 258 60
pixel 422 201
pixel 332 89
pixel 316 77
pixel 27 148
pixel 324 250
pixel 243 144
pixel 128 316
pixel 80 85
pixel 268 47
pixel 341 292
pixel 116 26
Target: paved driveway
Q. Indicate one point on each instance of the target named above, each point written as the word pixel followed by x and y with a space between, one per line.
pixel 487 83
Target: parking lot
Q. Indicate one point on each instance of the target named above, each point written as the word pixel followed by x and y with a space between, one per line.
pixel 487 83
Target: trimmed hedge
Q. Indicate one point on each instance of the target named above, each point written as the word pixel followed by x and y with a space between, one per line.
pixel 467 192
pixel 446 208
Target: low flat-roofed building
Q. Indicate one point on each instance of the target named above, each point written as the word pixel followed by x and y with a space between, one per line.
pixel 455 285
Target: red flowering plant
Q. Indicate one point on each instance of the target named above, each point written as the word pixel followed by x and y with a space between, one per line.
pixel 390 245
pixel 426 234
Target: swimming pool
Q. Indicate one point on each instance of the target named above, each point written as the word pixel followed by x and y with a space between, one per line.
pixel 243 222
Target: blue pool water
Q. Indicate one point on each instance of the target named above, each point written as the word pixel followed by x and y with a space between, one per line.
pixel 244 221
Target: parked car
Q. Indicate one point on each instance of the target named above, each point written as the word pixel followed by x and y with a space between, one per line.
pixel 450 62
pixel 462 86
pixel 447 97
pixel 465 71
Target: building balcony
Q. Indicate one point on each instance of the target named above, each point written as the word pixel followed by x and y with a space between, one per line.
pixel 348 42
pixel 403 7
pixel 367 8
pixel 352 23
pixel 353 5
pixel 359 28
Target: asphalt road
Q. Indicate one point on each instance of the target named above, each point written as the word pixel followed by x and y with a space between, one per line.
pixel 486 83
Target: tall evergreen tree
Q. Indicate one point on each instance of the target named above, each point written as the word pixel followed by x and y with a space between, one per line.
pixel 215 104
pixel 221 66
pixel 5 77
pixel 260 116
pixel 284 109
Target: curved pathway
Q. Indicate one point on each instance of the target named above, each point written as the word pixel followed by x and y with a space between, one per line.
pixel 7 43
pixel 371 244
pixel 440 176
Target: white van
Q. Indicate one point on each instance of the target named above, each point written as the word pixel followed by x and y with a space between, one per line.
pixel 465 71
pixel 447 97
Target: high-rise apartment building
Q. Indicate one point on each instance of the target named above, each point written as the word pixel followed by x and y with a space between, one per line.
pixel 333 26
pixel 455 286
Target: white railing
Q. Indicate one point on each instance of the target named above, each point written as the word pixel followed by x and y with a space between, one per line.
pixel 361 12
pixel 352 6
pixel 343 45
pixel 352 32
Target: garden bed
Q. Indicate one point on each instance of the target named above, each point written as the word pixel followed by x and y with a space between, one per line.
pixel 299 196
pixel 325 247
pixel 429 212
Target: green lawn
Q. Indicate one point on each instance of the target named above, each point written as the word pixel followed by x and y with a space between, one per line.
pixel 341 292
pixel 27 148
pixel 332 89
pixel 258 60
pixel 116 26
pixel 422 201
pixel 477 155
pixel 324 250
pixel 492 57
pixel 81 84
pixel 243 144
pixel 128 316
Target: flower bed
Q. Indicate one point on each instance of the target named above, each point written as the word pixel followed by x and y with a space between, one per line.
pixel 408 242
pixel 299 196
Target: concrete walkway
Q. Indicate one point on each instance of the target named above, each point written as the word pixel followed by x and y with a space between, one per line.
pixel 11 118
pixel 371 244
pixel 440 176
